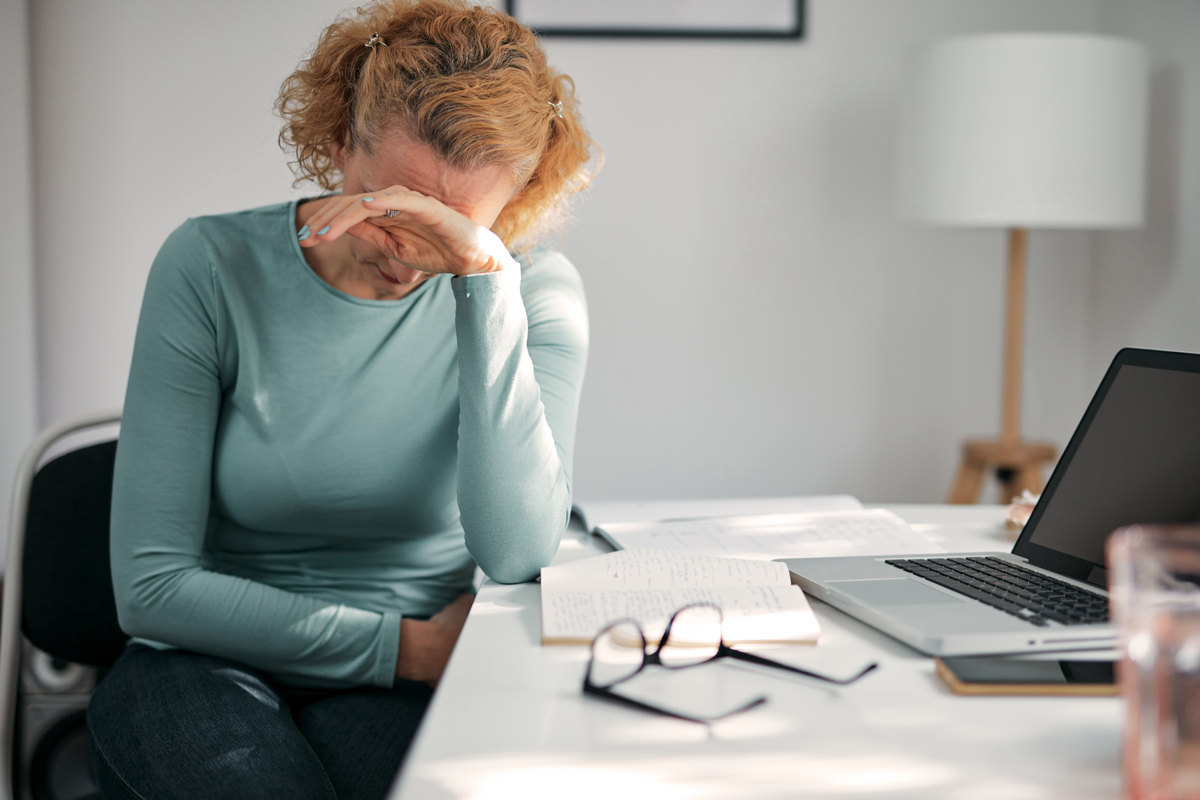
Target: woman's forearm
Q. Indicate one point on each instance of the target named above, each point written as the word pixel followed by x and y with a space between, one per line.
pixel 519 381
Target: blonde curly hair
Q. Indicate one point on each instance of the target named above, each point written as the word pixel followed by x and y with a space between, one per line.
pixel 469 82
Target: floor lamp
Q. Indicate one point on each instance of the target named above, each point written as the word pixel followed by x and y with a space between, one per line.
pixel 1020 131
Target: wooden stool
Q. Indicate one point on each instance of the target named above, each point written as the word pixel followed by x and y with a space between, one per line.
pixel 1019 466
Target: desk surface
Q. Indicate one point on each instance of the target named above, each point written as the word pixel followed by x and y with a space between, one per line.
pixel 509 719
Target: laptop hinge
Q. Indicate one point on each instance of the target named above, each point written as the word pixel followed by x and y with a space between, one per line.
pixel 1098 577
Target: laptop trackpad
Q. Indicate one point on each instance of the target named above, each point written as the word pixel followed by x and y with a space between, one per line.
pixel 893 592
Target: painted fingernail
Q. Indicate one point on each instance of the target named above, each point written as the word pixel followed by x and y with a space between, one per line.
pixel 323 231
pixel 368 199
pixel 305 233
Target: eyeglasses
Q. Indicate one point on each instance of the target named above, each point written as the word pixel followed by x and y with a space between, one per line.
pixel 693 636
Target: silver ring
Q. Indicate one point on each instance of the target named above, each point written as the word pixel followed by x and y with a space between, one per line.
pixel 395 212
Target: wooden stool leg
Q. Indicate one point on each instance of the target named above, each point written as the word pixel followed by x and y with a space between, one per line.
pixel 1010 483
pixel 1031 478
pixel 1018 466
pixel 968 483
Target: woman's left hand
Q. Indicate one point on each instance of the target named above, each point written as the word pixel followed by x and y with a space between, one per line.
pixel 425 235
pixel 426 645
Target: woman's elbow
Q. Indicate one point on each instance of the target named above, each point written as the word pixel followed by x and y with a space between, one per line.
pixel 513 570
pixel 517 563
pixel 133 613
pixel 142 602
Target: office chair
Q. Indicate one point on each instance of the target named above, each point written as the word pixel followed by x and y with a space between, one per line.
pixel 59 616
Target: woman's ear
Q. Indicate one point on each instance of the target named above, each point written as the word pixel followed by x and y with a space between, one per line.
pixel 337 153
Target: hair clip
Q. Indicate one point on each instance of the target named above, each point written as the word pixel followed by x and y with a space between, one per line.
pixel 374 40
pixel 557 108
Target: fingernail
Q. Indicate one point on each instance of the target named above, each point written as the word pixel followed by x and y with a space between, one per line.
pixel 323 231
pixel 368 199
pixel 305 233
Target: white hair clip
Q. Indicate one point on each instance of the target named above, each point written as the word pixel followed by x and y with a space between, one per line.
pixel 374 40
pixel 557 108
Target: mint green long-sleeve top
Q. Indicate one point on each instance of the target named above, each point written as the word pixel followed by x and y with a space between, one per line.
pixel 298 469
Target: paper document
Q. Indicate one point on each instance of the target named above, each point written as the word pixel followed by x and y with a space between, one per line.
pixel 757 598
pixel 864 532
pixel 604 512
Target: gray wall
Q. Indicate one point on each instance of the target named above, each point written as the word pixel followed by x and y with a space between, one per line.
pixel 1146 284
pixel 18 394
pixel 762 322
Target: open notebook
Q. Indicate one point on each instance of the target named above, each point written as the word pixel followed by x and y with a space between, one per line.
pixel 757 597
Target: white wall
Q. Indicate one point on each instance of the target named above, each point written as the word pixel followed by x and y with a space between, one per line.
pixel 18 412
pixel 145 113
pixel 1146 284
pixel 762 323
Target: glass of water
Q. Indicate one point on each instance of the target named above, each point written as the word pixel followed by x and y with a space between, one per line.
pixel 1154 577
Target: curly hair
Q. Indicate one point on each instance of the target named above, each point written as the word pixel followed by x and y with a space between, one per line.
pixel 469 82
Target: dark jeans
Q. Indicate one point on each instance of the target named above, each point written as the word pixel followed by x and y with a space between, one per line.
pixel 167 724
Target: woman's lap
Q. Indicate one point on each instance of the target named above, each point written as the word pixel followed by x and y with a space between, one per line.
pixel 177 724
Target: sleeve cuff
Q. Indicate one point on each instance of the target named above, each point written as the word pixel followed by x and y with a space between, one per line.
pixel 471 287
pixel 389 650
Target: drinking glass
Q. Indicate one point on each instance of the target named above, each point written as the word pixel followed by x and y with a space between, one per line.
pixel 1154 574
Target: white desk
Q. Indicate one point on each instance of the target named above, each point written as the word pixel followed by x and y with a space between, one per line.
pixel 509 719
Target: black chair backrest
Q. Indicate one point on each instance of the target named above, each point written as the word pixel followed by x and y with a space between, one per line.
pixel 68 608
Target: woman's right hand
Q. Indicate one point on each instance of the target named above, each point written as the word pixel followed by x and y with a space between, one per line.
pixel 426 234
pixel 426 645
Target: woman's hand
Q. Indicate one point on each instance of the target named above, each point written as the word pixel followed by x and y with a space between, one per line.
pixel 426 645
pixel 425 235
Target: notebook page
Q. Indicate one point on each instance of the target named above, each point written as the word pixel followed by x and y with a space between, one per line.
pixel 642 568
pixel 835 533
pixel 752 614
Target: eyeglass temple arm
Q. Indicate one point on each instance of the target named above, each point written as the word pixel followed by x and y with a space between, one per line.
pixel 592 689
pixel 766 662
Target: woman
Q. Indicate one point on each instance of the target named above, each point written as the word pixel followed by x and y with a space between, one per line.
pixel 337 408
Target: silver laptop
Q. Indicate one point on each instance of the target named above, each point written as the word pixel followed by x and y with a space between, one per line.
pixel 1135 458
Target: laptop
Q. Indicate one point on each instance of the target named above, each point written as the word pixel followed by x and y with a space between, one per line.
pixel 1135 458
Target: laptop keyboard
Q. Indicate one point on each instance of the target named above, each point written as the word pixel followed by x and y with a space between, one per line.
pixel 1026 594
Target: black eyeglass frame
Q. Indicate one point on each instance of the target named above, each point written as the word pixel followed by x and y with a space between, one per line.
pixel 723 651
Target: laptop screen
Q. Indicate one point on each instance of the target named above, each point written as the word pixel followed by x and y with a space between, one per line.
pixel 1135 458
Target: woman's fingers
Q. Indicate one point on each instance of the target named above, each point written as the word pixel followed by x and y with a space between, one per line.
pixel 342 213
pixel 330 221
pixel 412 207
pixel 424 234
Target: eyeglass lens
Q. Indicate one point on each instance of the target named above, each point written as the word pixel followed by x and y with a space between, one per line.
pixel 692 637
pixel 618 653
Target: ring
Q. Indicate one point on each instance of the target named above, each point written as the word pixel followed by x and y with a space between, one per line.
pixel 395 212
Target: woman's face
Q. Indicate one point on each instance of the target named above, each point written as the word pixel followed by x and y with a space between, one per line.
pixel 478 194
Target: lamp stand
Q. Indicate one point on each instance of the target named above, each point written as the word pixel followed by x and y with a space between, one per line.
pixel 1018 464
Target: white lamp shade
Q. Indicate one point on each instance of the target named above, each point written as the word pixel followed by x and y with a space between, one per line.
pixel 1025 130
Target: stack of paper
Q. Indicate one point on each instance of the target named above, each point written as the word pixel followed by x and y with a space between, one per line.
pixel 767 536
pixel 599 513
